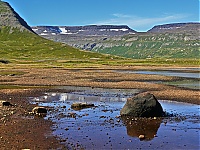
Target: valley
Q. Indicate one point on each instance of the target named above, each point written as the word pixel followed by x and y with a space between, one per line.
pixel 53 66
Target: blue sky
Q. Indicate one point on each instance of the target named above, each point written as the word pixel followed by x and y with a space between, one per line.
pixel 140 15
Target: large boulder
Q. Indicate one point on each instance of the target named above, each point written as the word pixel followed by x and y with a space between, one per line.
pixel 142 105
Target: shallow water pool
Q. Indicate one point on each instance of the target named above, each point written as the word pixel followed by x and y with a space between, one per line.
pixel 100 127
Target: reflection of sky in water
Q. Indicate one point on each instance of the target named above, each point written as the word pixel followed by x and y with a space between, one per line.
pixel 98 127
pixel 169 73
pixel 191 83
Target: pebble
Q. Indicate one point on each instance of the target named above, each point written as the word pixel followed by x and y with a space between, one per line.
pixel 141 136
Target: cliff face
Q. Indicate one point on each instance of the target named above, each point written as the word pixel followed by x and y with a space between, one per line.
pixel 9 18
pixel 90 30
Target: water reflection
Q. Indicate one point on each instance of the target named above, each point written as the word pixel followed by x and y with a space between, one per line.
pixel 167 73
pixel 101 128
pixel 190 76
pixel 142 126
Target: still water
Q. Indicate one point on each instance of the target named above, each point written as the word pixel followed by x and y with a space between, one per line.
pixel 100 127
pixel 176 72
pixel 190 76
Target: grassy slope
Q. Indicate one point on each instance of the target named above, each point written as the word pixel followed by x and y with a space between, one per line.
pixel 16 45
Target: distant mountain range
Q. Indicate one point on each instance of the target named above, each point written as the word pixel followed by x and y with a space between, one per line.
pixel 90 30
pixel 177 40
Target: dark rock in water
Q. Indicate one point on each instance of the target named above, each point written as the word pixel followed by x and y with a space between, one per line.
pixel 142 105
pixel 79 106
pixel 39 110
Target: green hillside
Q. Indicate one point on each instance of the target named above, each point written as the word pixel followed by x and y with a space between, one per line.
pixel 19 44
pixel 168 45
pixel 25 45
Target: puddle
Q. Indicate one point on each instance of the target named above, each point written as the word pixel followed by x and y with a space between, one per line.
pixel 100 127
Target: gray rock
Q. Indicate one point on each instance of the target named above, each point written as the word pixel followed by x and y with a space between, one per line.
pixel 142 105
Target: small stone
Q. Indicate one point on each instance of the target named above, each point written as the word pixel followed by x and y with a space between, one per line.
pixel 66 129
pixel 39 110
pixel 5 103
pixel 63 107
pixel 141 137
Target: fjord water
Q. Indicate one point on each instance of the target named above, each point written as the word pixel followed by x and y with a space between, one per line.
pixel 100 127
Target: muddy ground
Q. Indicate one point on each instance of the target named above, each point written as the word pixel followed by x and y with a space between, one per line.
pixel 21 131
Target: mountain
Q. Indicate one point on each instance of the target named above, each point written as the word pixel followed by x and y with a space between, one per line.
pixel 179 40
pixel 175 27
pixel 90 30
pixel 8 17
pixel 19 43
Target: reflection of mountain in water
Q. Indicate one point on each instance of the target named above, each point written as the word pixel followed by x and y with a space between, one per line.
pixel 142 126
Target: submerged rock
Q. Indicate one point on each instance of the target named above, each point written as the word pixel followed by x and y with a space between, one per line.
pixel 79 106
pixel 142 105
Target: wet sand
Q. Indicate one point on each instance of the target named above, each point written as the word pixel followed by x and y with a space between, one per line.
pixel 20 132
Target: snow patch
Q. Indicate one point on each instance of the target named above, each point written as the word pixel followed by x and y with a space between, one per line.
pixel 43 34
pixel 123 29
pixel 34 30
pixel 63 31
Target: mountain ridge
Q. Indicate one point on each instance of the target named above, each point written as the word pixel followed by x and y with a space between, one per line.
pixel 88 30
pixel 8 17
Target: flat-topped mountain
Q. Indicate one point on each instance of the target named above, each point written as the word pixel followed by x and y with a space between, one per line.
pixel 90 30
pixel 9 18
pixel 176 27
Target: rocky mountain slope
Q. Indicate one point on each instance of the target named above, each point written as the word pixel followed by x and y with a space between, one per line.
pixel 9 18
pixel 180 40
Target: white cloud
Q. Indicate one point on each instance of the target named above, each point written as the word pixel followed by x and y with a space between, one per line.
pixel 140 23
